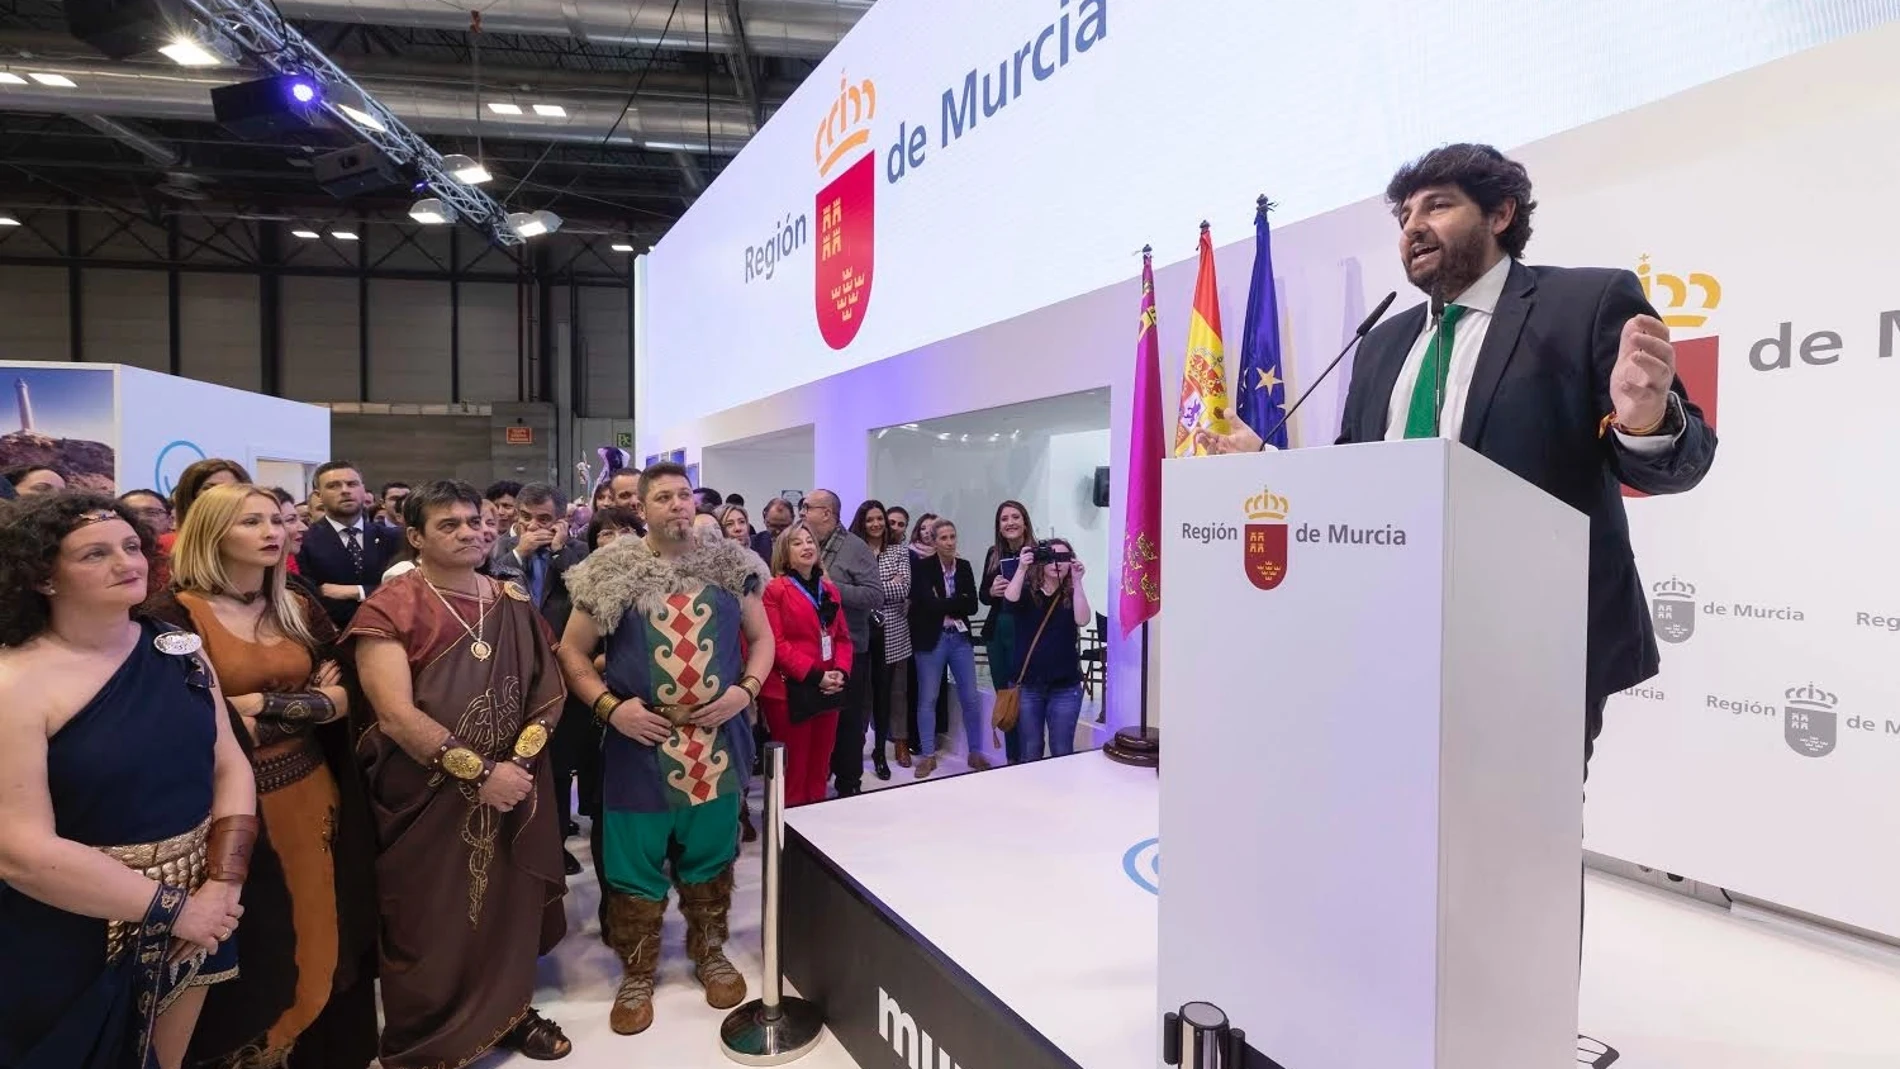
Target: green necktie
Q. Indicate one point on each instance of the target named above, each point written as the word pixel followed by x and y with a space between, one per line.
pixel 1422 418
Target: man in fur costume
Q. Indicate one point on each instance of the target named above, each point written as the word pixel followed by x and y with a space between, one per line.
pixel 673 609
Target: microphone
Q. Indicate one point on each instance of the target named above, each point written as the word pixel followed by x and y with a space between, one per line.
pixel 1357 337
pixel 1444 357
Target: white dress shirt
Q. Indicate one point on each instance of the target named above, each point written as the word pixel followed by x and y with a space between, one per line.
pixel 1480 302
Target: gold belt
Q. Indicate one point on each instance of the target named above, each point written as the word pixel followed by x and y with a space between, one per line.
pixel 178 861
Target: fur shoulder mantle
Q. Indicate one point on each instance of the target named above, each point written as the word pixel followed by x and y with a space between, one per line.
pixel 627 574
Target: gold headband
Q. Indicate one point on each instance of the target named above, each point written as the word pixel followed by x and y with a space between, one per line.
pixel 92 516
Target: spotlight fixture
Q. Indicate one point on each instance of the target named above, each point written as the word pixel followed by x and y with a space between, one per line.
pixel 550 111
pixel 502 107
pixel 307 235
pixel 620 247
pixel 302 92
pixel 466 169
pixel 187 52
pixel 534 224
pixel 344 235
pixel 429 211
pixel 56 81
pixel 8 220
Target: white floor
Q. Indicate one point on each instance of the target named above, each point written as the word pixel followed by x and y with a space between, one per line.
pixel 1670 983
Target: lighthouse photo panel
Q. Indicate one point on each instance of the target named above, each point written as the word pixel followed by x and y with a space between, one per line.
pixel 60 418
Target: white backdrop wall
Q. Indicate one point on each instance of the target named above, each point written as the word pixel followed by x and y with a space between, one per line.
pixel 1022 155
pixel 1715 771
pixel 762 469
pixel 163 428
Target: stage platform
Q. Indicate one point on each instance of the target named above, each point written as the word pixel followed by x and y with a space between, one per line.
pixel 990 912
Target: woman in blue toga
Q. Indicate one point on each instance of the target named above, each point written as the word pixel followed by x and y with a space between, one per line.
pixel 127 808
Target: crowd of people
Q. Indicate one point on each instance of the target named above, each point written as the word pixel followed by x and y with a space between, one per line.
pixel 264 759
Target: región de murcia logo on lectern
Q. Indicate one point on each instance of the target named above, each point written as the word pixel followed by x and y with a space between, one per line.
pixel 1265 539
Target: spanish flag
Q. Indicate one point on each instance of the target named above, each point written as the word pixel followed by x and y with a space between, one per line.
pixel 1204 374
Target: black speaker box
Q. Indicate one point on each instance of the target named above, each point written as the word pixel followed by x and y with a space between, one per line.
pixel 359 169
pixel 1101 488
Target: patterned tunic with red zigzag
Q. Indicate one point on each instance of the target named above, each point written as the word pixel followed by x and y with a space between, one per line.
pixel 673 638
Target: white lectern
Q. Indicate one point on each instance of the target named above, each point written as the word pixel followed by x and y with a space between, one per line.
pixel 1372 667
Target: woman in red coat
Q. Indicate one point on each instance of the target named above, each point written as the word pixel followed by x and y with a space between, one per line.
pixel 802 697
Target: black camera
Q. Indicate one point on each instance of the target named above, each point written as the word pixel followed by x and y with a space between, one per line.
pixel 1053 553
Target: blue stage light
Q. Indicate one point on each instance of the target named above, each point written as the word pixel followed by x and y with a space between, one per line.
pixel 303 92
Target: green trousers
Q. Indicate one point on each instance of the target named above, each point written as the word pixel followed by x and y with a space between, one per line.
pixel 637 845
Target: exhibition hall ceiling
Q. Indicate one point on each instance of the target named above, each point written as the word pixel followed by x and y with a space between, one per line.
pixel 614 117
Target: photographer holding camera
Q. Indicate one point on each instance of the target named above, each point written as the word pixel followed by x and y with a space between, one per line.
pixel 1050 610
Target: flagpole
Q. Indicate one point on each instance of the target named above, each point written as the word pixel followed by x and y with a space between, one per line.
pixel 1139 745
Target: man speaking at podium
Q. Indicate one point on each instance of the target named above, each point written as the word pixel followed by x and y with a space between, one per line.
pixel 1563 376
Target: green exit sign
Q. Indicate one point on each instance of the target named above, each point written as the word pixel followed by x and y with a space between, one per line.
pixel 623 439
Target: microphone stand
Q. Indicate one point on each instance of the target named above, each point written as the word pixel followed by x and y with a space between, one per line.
pixel 1358 336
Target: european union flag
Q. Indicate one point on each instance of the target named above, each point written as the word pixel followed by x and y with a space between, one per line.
pixel 1262 387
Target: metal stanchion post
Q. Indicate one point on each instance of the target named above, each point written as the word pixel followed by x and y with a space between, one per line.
pixel 774 1029
pixel 1199 1036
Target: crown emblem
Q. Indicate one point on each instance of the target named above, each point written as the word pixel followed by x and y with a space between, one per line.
pixel 1266 505
pixel 846 126
pixel 1677 312
pixel 1811 695
pixel 1673 588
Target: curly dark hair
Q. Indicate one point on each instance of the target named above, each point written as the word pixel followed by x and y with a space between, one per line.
pixel 1485 175
pixel 29 547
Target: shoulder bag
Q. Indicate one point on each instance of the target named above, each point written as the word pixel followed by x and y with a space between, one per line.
pixel 1008 702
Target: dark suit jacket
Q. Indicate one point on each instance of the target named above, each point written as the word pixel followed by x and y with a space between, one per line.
pixel 928 605
pixel 1541 388
pixel 324 559
pixel 556 606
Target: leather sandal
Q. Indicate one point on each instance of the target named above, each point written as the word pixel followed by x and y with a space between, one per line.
pixel 538 1038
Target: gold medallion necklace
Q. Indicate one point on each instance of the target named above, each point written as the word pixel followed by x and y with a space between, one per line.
pixel 481 649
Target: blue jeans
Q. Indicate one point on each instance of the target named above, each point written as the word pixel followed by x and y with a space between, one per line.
pixel 1056 708
pixel 953 649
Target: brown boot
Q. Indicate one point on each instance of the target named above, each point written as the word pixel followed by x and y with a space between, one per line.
pixel 706 906
pixel 634 927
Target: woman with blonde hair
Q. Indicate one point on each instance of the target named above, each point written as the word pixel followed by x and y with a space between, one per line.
pixel 306 963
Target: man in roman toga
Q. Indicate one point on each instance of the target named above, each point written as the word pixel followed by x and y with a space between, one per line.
pixel 460 671
pixel 687 645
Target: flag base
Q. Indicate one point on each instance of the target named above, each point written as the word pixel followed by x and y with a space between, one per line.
pixel 1139 746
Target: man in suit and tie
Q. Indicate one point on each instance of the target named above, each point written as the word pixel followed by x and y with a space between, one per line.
pixel 344 553
pixel 1562 375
